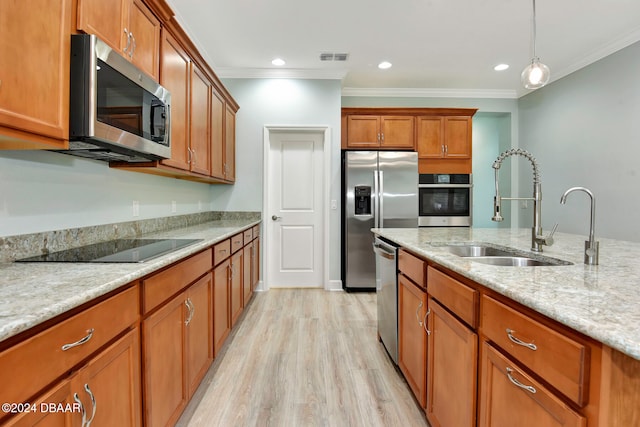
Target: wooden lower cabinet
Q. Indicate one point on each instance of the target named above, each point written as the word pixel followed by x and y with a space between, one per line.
pixel 412 336
pixel 107 389
pixel 255 263
pixel 177 352
pixel 451 371
pixel 221 319
pixel 510 397
pixel 237 285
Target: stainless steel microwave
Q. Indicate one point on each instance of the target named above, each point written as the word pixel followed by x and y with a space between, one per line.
pixel 117 112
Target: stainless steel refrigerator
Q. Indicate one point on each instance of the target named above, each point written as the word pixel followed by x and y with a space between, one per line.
pixel 380 190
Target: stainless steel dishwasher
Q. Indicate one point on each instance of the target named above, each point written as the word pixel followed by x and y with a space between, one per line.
pixel 387 294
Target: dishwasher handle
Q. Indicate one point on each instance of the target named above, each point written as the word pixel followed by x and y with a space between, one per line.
pixel 380 249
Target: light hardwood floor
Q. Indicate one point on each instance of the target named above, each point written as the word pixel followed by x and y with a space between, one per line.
pixel 301 357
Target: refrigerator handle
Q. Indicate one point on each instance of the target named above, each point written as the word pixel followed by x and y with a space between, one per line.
pixel 381 200
pixel 376 198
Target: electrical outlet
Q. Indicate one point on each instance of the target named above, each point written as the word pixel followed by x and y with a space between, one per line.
pixel 174 206
pixel 136 208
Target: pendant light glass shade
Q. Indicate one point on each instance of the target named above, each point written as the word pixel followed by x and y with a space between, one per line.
pixel 536 74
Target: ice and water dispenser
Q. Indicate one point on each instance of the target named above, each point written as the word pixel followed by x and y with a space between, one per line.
pixel 362 195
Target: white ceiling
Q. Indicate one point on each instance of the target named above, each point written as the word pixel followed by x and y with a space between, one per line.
pixel 437 47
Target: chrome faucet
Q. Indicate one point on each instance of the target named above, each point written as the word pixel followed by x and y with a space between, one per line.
pixel 591 247
pixel 537 239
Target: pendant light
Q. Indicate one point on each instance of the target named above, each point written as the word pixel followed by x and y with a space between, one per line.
pixel 536 74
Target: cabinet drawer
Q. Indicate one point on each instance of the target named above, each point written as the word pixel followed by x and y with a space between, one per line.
pixel 412 267
pixel 160 287
pixel 221 251
pixel 457 297
pixel 32 364
pixel 237 243
pixel 256 231
pixel 248 235
pixel 558 359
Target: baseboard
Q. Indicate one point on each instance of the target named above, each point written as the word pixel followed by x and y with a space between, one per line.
pixel 334 285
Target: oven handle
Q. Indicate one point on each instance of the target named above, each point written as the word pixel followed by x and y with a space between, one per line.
pixel 445 185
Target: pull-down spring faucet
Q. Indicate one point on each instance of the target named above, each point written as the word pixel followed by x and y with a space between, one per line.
pixel 537 239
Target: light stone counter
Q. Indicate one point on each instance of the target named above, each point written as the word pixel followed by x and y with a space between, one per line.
pixel 601 301
pixel 35 292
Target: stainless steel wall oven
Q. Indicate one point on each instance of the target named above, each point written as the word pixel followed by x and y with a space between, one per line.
pixel 445 200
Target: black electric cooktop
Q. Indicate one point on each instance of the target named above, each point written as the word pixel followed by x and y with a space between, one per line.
pixel 120 250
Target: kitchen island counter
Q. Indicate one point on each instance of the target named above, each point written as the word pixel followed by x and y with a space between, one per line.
pixel 601 301
pixel 33 293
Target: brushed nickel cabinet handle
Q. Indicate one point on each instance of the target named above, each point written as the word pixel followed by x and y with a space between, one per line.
pixel 76 398
pixel 191 309
pixel 515 340
pixel 133 48
pixel 424 322
pixel 80 341
pixel 128 41
pixel 418 315
pixel 93 403
pixel 528 388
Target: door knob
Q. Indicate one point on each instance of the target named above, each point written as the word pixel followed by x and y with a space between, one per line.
pixel 275 217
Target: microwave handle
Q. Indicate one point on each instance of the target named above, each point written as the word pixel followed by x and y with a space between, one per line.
pixel 167 129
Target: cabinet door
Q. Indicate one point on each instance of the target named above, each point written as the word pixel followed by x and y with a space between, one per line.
pixel 107 19
pixel 363 131
pixel 199 326
pixel 510 397
pixel 174 76
pixel 199 141
pixel 109 385
pixel 145 39
pixel 457 137
pixel 430 136
pixel 218 112
pixel 60 394
pixel 237 289
pixel 255 264
pixel 412 337
pixel 34 80
pixel 221 319
pixel 397 132
pixel 451 370
pixel 165 389
pixel 230 144
pixel 247 262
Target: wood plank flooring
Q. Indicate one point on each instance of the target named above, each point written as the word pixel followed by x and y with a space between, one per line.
pixel 302 357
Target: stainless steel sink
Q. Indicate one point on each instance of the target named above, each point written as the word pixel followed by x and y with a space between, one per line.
pixel 502 256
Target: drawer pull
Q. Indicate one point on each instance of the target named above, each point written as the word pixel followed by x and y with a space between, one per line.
pixel 191 309
pixel 519 341
pixel 76 398
pixel 424 322
pixel 529 388
pixel 79 342
pixel 93 404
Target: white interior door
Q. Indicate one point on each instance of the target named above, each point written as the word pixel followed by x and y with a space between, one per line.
pixel 294 215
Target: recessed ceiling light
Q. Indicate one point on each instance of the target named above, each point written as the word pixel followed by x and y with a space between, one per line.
pixel 501 67
pixel 278 62
pixel 384 65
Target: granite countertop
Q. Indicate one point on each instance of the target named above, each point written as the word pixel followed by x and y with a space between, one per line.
pixel 35 292
pixel 602 301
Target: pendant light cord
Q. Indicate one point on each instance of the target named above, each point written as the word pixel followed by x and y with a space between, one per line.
pixel 534 28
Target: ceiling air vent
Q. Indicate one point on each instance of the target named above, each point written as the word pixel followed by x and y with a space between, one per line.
pixel 341 57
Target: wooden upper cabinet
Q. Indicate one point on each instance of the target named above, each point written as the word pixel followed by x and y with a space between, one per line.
pixel 200 135
pixel 444 137
pixel 175 69
pixel 370 131
pixel 34 83
pixel 218 112
pixel 230 144
pixel 127 26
